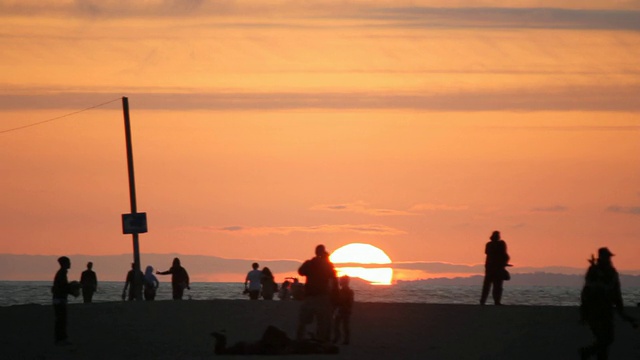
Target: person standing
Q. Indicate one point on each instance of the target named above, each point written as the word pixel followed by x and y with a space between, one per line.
pixel 130 284
pixel 179 279
pixel 89 282
pixel 269 286
pixel 253 281
pixel 342 317
pixel 321 284
pixel 600 295
pixel 60 291
pixel 150 283
pixel 495 272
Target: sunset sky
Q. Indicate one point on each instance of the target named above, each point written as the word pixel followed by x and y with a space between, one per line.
pixel 263 128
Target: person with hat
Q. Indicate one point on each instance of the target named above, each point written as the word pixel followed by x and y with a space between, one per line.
pixel 600 295
pixel 320 285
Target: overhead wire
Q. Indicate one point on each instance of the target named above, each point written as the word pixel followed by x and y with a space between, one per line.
pixel 57 117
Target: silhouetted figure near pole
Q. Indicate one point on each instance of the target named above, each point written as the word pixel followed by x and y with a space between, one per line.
pixel 600 295
pixel 253 282
pixel 130 283
pixel 89 282
pixel 60 290
pixel 319 288
pixel 150 283
pixel 179 279
pixel 495 272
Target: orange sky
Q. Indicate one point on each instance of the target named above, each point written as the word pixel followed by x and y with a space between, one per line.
pixel 264 128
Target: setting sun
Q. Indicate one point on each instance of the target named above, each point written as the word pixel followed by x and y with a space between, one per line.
pixel 363 254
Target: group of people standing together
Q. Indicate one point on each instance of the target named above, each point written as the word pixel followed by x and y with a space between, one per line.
pixel 324 297
pixel 150 284
pixel 262 283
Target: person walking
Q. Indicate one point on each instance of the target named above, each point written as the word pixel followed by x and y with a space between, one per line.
pixel 179 279
pixel 600 295
pixel 89 283
pixel 253 282
pixel 319 288
pixel 495 272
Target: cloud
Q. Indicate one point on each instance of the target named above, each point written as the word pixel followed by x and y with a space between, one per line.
pixel 570 98
pixel 362 208
pixel 556 208
pixel 407 14
pixel 438 207
pixel 508 18
pixel 633 210
pixel 364 229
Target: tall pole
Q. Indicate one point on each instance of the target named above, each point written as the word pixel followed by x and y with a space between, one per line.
pixel 137 281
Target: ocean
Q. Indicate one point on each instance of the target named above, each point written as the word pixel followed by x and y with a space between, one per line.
pixel 38 292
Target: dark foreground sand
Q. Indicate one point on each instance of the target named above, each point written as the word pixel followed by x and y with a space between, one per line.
pixel 180 330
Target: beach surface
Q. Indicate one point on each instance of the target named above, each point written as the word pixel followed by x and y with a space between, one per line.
pixel 181 330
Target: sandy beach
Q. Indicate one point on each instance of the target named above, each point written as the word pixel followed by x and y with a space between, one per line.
pixel 180 330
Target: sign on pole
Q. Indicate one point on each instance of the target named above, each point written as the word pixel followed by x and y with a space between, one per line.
pixel 134 223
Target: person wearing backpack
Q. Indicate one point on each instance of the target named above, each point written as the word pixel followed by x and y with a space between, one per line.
pixel 600 295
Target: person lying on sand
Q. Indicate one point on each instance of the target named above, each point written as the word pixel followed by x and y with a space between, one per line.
pixel 273 342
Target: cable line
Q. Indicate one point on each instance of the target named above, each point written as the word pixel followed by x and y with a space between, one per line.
pixel 57 118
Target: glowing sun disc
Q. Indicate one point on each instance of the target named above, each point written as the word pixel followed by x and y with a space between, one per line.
pixel 357 253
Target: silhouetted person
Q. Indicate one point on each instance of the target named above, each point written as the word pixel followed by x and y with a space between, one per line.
pixel 269 286
pixel 130 284
pixel 150 284
pixel 600 295
pixel 297 290
pixel 179 279
pixel 273 342
pixel 60 290
pixel 253 282
pixel 495 268
pixel 89 282
pixel 285 291
pixel 321 283
pixel 342 318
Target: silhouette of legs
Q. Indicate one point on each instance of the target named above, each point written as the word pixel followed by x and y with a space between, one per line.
pixel 495 281
pixel 60 330
pixel 603 332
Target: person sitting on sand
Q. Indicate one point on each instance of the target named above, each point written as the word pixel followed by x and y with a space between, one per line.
pixel 273 342
pixel 252 282
pixel 344 303
pixel 285 291
pixel 297 290
pixel 179 279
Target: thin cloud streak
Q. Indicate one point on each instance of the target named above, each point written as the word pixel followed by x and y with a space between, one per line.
pixel 365 229
pixel 632 210
pixel 371 14
pixel 594 98
pixel 362 208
